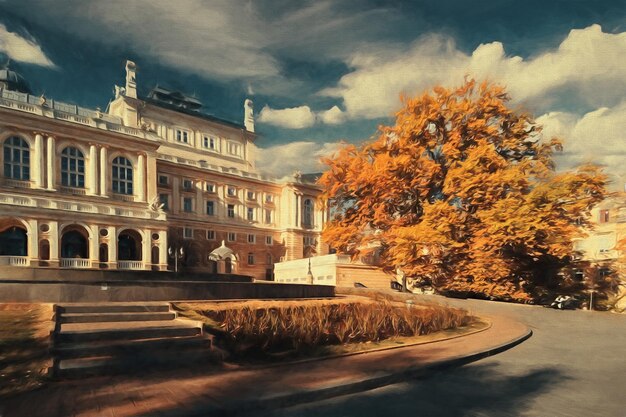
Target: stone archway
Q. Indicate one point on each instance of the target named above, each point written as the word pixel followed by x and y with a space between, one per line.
pixel 129 245
pixel 74 243
pixel 13 240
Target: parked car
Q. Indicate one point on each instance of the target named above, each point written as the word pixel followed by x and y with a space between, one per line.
pixel 565 302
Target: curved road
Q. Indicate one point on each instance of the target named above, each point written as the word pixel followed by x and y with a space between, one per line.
pixel 574 365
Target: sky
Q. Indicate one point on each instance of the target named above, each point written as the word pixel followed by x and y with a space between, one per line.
pixel 329 71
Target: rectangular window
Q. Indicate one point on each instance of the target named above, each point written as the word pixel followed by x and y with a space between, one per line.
pixel 164 180
pixel 268 216
pixel 231 211
pixel 188 184
pixel 269 198
pixel 250 214
pixel 210 234
pixel 210 142
pixel 234 148
pixel 210 208
pixel 231 192
pixel 188 233
pixel 308 241
pixel 268 259
pixel 182 136
pixel 210 187
pixel 187 204
pixel 251 195
pixel 604 216
pixel 269 240
pixel 251 238
pixel 164 199
pixel 251 259
pixel 232 236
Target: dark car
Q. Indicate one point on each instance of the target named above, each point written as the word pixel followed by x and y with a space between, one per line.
pixel 565 302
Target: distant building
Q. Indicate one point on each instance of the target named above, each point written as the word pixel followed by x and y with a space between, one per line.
pixel 115 189
pixel 598 252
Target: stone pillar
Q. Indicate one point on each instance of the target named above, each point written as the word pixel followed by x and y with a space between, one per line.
pixel 112 247
pixel 175 195
pixel 93 176
pixel 151 178
pixel 297 212
pixel 38 162
pixel 55 240
pixel 51 165
pixel 146 246
pixel 220 206
pixel 140 178
pixel 94 246
pixel 200 205
pixel 33 242
pixel 163 250
pixel 104 164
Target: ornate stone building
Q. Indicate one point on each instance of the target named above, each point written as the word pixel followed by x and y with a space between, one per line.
pixel 128 187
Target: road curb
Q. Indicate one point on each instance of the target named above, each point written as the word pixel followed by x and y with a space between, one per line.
pixel 268 403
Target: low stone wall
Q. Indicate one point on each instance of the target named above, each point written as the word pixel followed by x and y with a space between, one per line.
pixel 54 292
pixel 21 274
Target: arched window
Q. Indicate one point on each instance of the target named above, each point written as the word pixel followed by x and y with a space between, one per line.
pixel 72 168
pixel 307 213
pixel 122 176
pixel 13 242
pixel 16 159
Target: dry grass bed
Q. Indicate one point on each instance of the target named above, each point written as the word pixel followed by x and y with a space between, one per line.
pixel 259 329
pixel 24 342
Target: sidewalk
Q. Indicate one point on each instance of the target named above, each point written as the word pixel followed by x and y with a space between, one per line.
pixel 233 391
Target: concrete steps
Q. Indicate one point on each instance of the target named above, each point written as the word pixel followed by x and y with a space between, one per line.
pixel 106 338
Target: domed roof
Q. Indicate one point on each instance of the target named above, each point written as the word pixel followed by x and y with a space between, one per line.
pixel 222 252
pixel 11 80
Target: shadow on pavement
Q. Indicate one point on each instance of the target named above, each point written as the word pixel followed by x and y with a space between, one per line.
pixel 471 391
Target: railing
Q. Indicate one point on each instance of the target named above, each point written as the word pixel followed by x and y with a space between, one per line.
pixel 73 190
pixel 123 197
pixel 8 182
pixel 14 260
pixel 135 265
pixel 86 207
pixel 75 263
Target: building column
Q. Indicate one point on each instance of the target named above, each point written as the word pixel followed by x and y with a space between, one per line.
pixel 38 162
pixel 112 245
pixel 297 213
pixel 200 205
pixel 175 195
pixel 33 242
pixel 54 241
pixel 220 204
pixel 92 188
pixel 146 246
pixel 103 171
pixel 51 164
pixel 140 178
pixel 163 250
pixel 94 245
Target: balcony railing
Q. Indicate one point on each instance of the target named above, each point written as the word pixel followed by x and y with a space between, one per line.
pixel 75 263
pixel 135 265
pixel 73 190
pixel 123 197
pixel 8 182
pixel 14 260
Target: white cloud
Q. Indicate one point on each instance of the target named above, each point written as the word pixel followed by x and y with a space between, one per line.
pixel 22 49
pixel 333 116
pixel 292 118
pixel 303 156
pixel 588 60
pixel 598 136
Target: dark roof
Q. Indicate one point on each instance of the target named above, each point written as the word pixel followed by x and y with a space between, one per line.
pixel 13 81
pixel 179 102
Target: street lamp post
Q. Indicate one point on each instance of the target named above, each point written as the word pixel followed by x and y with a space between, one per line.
pixel 176 254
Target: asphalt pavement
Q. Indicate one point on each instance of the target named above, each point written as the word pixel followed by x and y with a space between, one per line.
pixel 573 366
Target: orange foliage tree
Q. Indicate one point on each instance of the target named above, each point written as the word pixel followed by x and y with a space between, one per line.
pixel 461 194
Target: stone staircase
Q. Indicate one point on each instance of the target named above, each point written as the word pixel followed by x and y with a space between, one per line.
pixel 113 338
